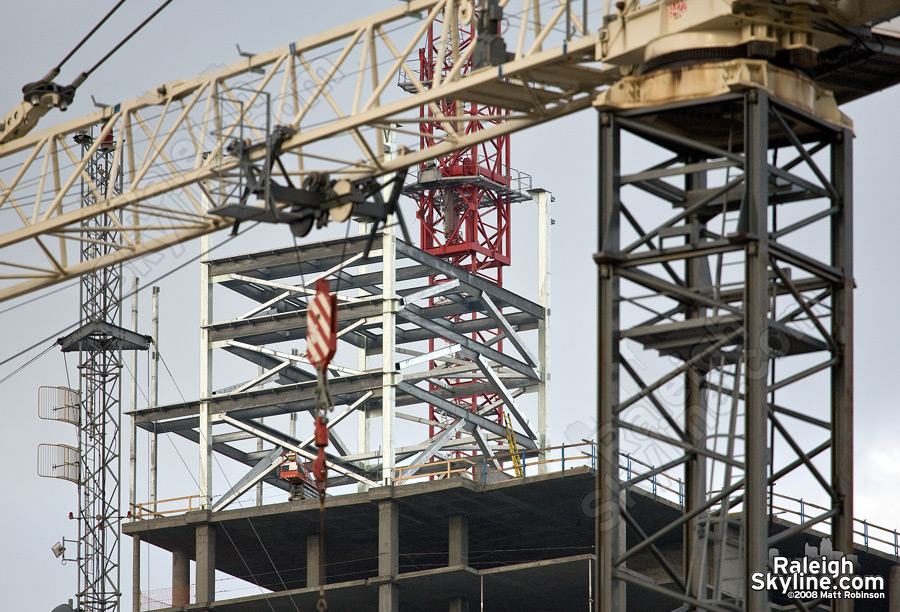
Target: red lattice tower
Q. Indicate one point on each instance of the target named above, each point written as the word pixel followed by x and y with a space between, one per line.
pixel 463 198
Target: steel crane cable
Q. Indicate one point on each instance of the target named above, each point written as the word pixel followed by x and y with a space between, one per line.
pixel 157 279
pixel 225 475
pixel 230 485
pixel 27 363
pixel 127 38
pixel 34 89
pixel 59 66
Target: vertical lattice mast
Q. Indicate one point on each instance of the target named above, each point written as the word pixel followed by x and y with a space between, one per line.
pixel 463 198
pixel 99 366
pixel 730 263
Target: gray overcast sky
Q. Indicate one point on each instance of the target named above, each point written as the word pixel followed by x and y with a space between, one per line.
pixel 191 37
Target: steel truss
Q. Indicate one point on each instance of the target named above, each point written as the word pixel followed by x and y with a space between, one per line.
pixel 270 334
pixel 464 199
pixel 331 89
pixel 100 363
pixel 725 334
pixel 333 92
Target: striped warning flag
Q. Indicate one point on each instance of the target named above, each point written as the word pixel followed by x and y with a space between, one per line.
pixel 321 325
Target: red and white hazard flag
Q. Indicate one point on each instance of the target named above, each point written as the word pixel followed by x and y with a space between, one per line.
pixel 321 325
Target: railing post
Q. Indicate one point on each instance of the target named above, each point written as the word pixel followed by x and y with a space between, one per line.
pixel 802 515
pixel 564 460
pixel 896 548
pixel 484 472
pixel 680 493
pixel 523 466
pixel 865 533
pixel 628 466
pixel 653 480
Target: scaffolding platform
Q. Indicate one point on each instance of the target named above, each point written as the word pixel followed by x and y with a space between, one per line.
pixel 685 339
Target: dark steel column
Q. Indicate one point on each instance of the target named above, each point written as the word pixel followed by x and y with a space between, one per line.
pixel 756 344
pixel 609 591
pixel 695 409
pixel 842 332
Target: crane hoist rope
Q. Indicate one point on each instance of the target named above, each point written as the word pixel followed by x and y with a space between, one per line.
pixel 321 341
pixel 40 96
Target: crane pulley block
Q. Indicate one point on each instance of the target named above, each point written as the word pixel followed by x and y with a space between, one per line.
pixel 317 200
pixel 321 326
pixel 319 467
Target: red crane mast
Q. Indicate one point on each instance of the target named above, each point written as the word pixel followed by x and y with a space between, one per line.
pixel 464 199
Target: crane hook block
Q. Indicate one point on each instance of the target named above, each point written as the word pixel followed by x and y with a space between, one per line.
pixel 321 325
pixel 320 471
pixel 321 435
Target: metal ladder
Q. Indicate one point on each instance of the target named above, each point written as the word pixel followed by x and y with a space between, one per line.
pixel 513 447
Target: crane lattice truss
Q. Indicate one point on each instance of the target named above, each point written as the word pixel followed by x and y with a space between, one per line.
pixel 463 198
pixel 725 334
pixel 278 284
pixel 100 363
pixel 336 90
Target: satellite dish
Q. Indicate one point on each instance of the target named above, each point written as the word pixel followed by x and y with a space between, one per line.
pixel 63 608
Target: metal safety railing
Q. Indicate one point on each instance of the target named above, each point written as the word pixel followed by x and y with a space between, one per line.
pixel 566 457
pixel 661 484
pixel 446 469
pixel 151 509
pixel 865 533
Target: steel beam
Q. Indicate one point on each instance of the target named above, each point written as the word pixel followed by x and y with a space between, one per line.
pixel 505 395
pixel 446 329
pixel 436 444
pixel 250 479
pixel 610 592
pixel 276 437
pixel 460 412
pixel 508 330
pixel 842 332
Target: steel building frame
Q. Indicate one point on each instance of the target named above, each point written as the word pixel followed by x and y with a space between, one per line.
pixel 743 260
pixel 278 283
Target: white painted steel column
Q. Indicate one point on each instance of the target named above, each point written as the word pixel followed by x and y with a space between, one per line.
pixel 132 444
pixel 206 359
pixel 390 305
pixel 259 442
pixel 363 429
pixel 292 420
pixel 544 198
pixel 154 388
pixel 389 377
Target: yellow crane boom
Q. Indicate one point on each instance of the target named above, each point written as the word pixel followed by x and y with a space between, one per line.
pixel 336 91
